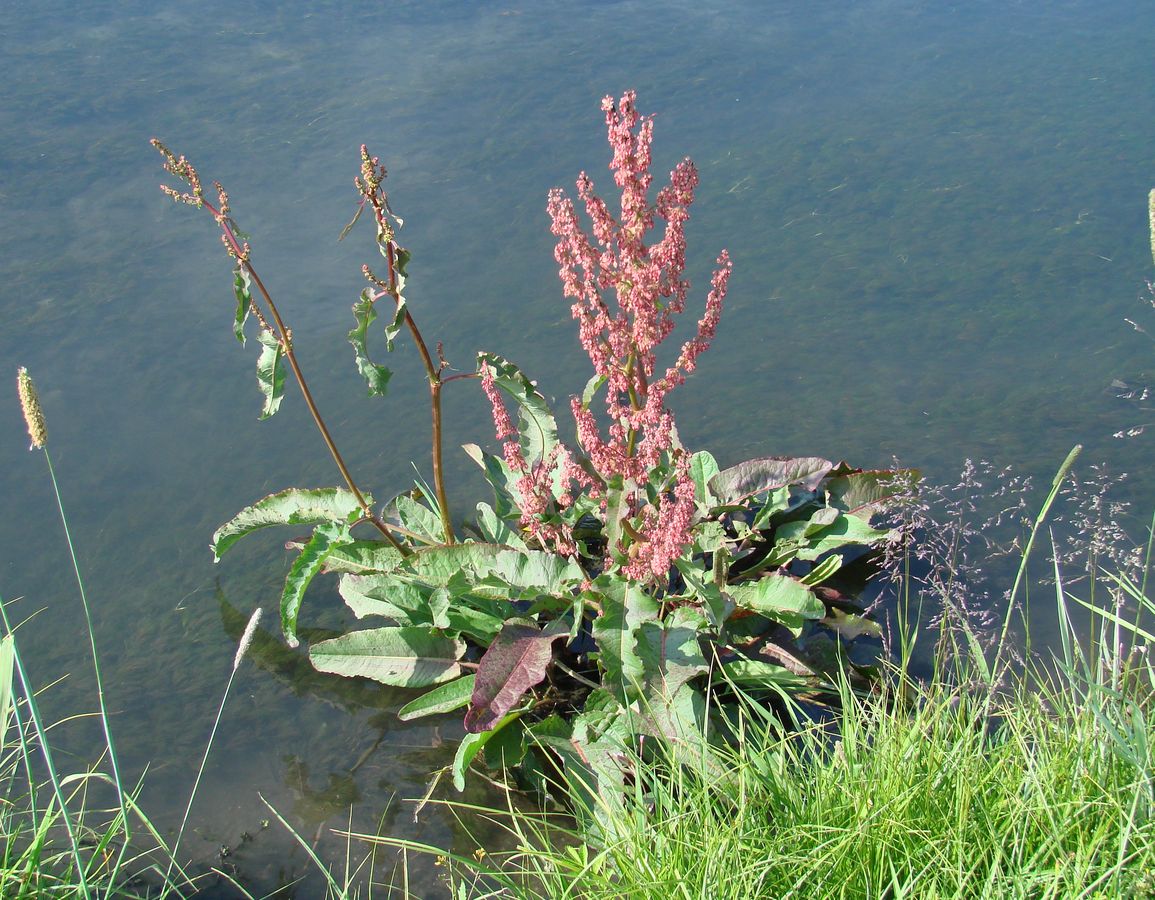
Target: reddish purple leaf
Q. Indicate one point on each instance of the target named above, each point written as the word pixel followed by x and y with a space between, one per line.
pixel 768 473
pixel 515 662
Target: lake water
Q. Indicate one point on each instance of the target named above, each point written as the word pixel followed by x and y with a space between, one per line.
pixel 937 215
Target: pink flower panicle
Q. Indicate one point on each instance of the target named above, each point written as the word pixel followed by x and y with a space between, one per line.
pixel 649 289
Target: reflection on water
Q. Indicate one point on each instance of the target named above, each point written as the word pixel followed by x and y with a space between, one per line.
pixel 936 215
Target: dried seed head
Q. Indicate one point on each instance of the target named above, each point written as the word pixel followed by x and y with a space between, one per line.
pixel 247 638
pixel 33 414
pixel 1151 216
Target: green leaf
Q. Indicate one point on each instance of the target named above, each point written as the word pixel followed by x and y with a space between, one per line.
pixel 823 570
pixel 471 745
pixel 755 476
pixel 703 467
pixel 670 652
pixel 844 530
pixel 515 662
pixel 361 557
pixel 537 428
pixel 778 597
pixel 294 506
pixel 376 376
pixel 241 287
pixel 501 478
pixel 7 664
pixel 400 656
pixel 869 492
pixel 495 530
pixel 417 517
pixel 777 501
pixel 625 606
pixel 758 673
pixel 307 564
pixel 849 626
pixel 270 372
pixel 442 699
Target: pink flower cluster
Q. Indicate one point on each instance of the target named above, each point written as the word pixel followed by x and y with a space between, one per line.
pixel 621 336
pixel 649 287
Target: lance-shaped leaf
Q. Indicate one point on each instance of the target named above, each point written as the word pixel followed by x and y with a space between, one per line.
pixel 271 372
pixel 307 564
pixel 501 478
pixel 241 285
pixel 294 506
pixel 442 699
pixel 376 375
pixel 703 467
pixel 401 656
pixel 537 428
pixel 471 745
pixel 755 476
pixel 625 606
pixel 362 557
pixel 515 662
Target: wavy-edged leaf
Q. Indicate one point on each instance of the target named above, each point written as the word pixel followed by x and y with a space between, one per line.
pixel 625 606
pixel 442 699
pixel 270 372
pixel 376 375
pixel 869 492
pixel 779 598
pixel 670 651
pixel 417 517
pixel 537 428
pixel 294 506
pixel 844 530
pixel 363 557
pixel 307 564
pixel 755 476
pixel 515 662
pixel 401 656
pixel 241 287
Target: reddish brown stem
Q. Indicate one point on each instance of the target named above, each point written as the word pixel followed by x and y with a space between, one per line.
pixel 283 337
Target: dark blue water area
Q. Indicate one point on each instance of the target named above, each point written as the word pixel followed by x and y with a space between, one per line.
pixel 937 215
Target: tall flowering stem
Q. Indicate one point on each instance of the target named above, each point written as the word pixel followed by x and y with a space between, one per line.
pixel 370 185
pixel 625 294
pixel 239 250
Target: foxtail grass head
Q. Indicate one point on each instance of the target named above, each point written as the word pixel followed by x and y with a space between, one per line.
pixel 1151 216
pixel 30 405
pixel 247 638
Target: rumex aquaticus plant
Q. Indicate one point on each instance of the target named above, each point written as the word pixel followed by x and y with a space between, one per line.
pixel 615 585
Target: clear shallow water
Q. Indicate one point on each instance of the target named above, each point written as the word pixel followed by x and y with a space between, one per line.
pixel 937 218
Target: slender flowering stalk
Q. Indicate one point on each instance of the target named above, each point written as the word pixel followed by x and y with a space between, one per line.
pixel 242 648
pixel 239 250
pixel 38 431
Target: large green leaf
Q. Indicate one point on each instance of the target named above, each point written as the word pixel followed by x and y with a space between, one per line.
pixel 501 478
pixel 625 606
pixel 844 530
pixel 307 564
pixel 361 557
pixel 869 492
pixel 778 597
pixel 495 530
pixel 670 652
pixel 417 517
pixel 376 375
pixel 401 656
pixel 270 372
pixel 409 602
pixel 537 428
pixel 442 699
pixel 295 506
pixel 703 467
pixel 756 476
